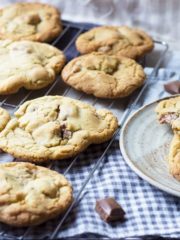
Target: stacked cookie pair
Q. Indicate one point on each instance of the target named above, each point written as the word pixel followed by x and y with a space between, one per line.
pixel 168 111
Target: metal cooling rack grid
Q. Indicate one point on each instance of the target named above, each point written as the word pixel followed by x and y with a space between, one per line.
pixel 66 43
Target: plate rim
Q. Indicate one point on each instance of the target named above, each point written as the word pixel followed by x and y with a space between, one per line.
pixel 131 164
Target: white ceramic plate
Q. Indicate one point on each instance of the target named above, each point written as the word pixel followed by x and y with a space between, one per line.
pixel 144 145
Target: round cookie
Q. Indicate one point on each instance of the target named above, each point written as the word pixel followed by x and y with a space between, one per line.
pixel 4 118
pixel 54 128
pixel 30 21
pixel 31 195
pixel 121 41
pixel 103 75
pixel 28 64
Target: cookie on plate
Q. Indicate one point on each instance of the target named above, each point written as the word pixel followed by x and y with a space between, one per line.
pixel 103 75
pixel 30 21
pixel 28 64
pixel 121 41
pixel 31 195
pixel 4 118
pixel 55 127
pixel 168 110
pixel 174 156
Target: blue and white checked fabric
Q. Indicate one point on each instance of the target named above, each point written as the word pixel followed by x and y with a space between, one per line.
pixel 149 211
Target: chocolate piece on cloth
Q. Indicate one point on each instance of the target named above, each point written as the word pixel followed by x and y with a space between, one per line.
pixel 109 210
pixel 172 87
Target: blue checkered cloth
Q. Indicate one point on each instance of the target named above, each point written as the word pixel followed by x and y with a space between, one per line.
pixel 149 211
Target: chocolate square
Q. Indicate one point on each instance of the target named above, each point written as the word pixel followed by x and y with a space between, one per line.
pixel 109 210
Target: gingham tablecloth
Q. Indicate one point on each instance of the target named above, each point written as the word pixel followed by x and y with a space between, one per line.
pixel 149 211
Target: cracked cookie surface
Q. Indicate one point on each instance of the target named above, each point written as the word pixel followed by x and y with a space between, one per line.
pixel 121 41
pixel 55 127
pixel 4 118
pixel 28 64
pixel 104 76
pixel 30 21
pixel 30 194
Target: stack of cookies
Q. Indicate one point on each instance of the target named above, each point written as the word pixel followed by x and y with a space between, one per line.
pixel 168 111
pixel 56 127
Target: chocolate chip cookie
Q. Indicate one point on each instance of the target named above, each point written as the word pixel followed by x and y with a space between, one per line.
pixel 121 41
pixel 30 21
pixel 168 111
pixel 104 76
pixel 31 195
pixel 28 64
pixel 55 127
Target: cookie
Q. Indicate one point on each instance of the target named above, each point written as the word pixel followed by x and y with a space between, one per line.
pixel 55 127
pixel 28 64
pixel 30 21
pixel 174 156
pixel 168 110
pixel 4 118
pixel 31 195
pixel 121 41
pixel 104 76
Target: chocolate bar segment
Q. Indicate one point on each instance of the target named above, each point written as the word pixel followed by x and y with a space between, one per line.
pixel 172 87
pixel 109 210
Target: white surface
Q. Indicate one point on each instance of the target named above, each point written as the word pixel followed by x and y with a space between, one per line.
pixel 145 148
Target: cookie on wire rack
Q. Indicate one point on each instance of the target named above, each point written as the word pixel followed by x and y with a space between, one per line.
pixel 54 128
pixel 120 40
pixel 28 64
pixel 30 21
pixel 103 75
pixel 31 195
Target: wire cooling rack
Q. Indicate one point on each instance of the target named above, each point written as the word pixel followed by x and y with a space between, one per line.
pixel 121 108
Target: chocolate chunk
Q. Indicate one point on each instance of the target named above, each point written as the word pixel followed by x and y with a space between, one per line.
pixel 168 118
pixel 172 87
pixel 64 133
pixel 67 134
pixel 109 210
pixel 33 19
